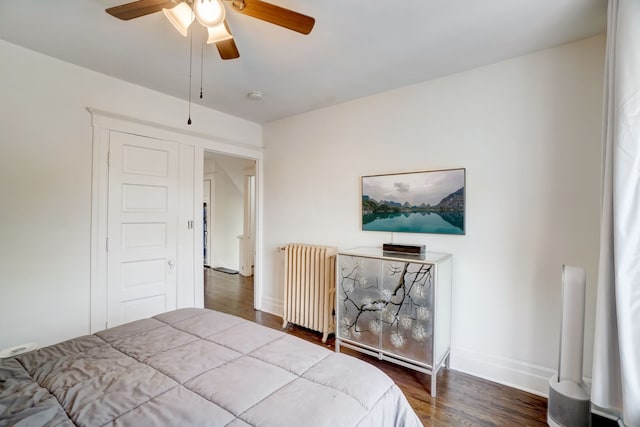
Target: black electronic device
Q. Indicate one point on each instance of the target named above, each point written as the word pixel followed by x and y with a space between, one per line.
pixel 404 248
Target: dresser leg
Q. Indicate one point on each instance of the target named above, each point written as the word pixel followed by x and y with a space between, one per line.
pixel 434 377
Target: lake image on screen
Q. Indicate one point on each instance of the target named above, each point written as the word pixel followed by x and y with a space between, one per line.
pixel 423 202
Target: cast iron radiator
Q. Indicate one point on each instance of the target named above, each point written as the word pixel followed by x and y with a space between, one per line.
pixel 309 287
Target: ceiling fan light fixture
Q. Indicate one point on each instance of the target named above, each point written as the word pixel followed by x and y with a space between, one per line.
pixel 209 13
pixel 181 16
pixel 218 33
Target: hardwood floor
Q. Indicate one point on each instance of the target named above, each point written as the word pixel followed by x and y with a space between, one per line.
pixel 463 400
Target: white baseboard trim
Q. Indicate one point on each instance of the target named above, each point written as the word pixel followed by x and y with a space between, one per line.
pixel 272 305
pixel 513 373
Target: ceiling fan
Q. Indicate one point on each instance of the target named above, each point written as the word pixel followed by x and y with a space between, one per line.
pixel 211 14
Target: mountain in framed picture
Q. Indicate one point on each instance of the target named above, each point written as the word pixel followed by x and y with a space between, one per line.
pixel 415 202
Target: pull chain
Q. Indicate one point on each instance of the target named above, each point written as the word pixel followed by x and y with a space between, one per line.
pixel 190 66
pixel 204 35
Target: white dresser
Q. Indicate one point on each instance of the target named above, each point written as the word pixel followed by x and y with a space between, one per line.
pixel 396 307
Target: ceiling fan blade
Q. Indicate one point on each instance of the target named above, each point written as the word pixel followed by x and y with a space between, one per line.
pixel 276 15
pixel 227 48
pixel 138 8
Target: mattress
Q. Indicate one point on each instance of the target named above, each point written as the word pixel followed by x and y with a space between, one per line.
pixel 196 367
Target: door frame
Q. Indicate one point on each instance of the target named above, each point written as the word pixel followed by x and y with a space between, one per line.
pixel 187 295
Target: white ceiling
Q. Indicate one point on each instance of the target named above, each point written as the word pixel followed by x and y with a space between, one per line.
pixel 357 47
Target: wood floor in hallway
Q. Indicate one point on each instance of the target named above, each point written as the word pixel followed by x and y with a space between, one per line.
pixel 463 400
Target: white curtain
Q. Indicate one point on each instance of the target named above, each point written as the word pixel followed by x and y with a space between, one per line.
pixel 616 362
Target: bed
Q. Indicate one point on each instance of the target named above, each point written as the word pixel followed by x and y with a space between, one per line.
pixel 196 367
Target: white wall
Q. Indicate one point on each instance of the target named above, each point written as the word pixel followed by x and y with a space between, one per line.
pixel 45 184
pixel 228 209
pixel 527 130
pixel 228 223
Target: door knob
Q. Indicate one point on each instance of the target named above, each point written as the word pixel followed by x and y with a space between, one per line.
pixel 172 265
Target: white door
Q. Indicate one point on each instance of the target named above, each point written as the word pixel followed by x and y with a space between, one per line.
pixel 247 241
pixel 142 227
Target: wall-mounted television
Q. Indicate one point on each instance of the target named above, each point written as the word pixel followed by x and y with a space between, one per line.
pixel 415 202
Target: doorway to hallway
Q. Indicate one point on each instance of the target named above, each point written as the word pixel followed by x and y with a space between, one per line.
pixel 229 217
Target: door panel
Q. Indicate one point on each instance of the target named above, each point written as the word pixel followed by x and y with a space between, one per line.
pixel 149 235
pixel 142 227
pixel 143 308
pixel 144 198
pixel 145 161
pixel 146 272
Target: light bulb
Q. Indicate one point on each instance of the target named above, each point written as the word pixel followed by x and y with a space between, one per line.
pixel 209 13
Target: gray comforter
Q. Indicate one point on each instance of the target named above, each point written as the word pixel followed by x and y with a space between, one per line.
pixel 195 367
